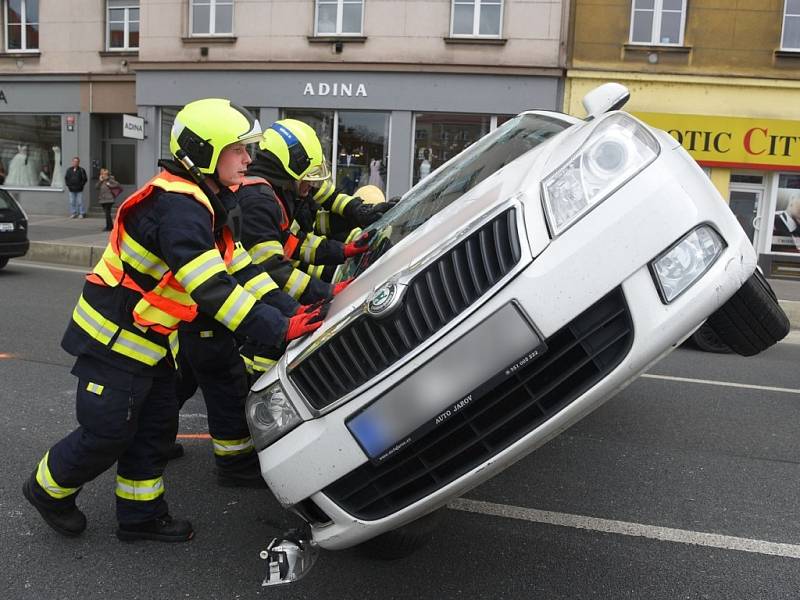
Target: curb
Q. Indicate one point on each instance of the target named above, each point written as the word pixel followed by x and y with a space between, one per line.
pixel 76 255
pixel 80 255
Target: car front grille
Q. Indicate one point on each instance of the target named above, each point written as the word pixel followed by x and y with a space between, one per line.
pixel 433 298
pixel 578 356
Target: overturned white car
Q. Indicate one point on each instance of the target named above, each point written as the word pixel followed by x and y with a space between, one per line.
pixel 508 295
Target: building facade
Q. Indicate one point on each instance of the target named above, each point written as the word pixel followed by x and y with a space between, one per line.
pixel 393 87
pixel 722 78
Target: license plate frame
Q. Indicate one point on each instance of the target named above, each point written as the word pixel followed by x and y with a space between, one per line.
pixel 380 439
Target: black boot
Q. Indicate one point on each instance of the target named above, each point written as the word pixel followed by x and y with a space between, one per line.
pixel 175 451
pixel 163 529
pixel 68 521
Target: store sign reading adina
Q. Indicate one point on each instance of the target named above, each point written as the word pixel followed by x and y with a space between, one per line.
pixel 734 142
pixel 338 88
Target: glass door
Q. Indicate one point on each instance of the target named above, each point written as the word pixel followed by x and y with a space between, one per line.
pixel 745 204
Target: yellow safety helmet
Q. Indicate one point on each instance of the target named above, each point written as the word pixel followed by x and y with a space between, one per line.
pixel 296 145
pixel 203 128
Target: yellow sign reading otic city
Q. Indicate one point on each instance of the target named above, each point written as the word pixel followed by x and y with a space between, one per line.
pixel 734 142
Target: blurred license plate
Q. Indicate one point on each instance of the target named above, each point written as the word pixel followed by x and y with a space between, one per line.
pixel 6 227
pixel 450 382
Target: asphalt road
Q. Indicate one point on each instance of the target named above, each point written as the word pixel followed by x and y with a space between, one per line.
pixel 676 488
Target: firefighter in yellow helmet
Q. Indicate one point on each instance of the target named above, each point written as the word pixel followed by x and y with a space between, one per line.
pixel 278 211
pixel 169 255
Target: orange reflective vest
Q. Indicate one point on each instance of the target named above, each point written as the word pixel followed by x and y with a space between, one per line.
pixel 167 303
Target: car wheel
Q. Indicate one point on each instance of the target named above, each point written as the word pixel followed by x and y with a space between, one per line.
pixel 707 340
pixel 405 540
pixel 752 320
pixel 3 261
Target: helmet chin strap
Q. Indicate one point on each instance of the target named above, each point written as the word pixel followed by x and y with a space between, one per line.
pixel 220 212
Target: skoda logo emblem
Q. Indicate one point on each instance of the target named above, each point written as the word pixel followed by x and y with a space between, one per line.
pixel 382 299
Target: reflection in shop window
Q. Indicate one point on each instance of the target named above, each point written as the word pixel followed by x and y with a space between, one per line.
pixel 30 151
pixel 786 221
pixel 438 137
pixel 362 150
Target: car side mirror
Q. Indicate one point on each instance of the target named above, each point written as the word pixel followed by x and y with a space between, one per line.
pixel 604 98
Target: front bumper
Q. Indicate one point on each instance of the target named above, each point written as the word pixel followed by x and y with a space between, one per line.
pixel 14 249
pixel 608 250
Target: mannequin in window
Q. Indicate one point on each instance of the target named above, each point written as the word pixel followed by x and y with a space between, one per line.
pixel 19 170
pixel 375 173
pixel 425 165
pixel 58 173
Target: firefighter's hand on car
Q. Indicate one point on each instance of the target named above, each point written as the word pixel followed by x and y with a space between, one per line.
pixel 358 245
pixel 305 323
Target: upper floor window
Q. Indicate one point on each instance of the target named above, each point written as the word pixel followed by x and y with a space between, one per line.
pixel 123 24
pixel 477 18
pixel 211 17
pixel 658 22
pixel 339 17
pixel 22 25
pixel 791 25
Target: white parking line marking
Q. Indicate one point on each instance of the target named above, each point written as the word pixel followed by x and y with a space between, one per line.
pixel 764 388
pixel 664 534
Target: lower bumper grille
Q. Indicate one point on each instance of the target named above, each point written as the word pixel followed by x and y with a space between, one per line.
pixel 579 355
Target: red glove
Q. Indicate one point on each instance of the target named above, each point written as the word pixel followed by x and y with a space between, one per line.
pixel 303 324
pixel 338 287
pixel 358 245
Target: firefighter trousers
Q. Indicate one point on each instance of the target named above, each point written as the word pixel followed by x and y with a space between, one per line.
pixel 211 357
pixel 130 420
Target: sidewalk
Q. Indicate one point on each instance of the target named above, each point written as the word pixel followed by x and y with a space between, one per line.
pixel 80 243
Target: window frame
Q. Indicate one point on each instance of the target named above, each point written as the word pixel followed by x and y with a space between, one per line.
pixel 126 21
pixel 783 28
pixel 339 18
pixel 211 18
pixel 658 12
pixel 23 25
pixel 476 19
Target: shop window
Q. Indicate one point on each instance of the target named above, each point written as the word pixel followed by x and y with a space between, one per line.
pixel 30 151
pixel 123 25
pixel 339 17
pixel 211 17
pixel 786 220
pixel 479 18
pixel 748 178
pixel 22 25
pixel 790 38
pixel 438 137
pixel 362 144
pixel 658 22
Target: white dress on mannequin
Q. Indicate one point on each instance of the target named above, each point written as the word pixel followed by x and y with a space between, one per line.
pixel 424 168
pixel 58 173
pixel 20 170
pixel 375 173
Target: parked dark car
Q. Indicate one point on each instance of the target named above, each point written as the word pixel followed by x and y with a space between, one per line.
pixel 13 229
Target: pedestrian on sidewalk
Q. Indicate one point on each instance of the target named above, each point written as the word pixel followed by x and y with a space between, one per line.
pixel 76 179
pixel 107 191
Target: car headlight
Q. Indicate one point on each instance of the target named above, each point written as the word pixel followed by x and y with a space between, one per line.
pixel 270 415
pixel 614 153
pixel 685 262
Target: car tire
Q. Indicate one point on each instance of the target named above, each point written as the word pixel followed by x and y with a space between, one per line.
pixel 405 540
pixel 751 320
pixel 3 261
pixel 707 340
